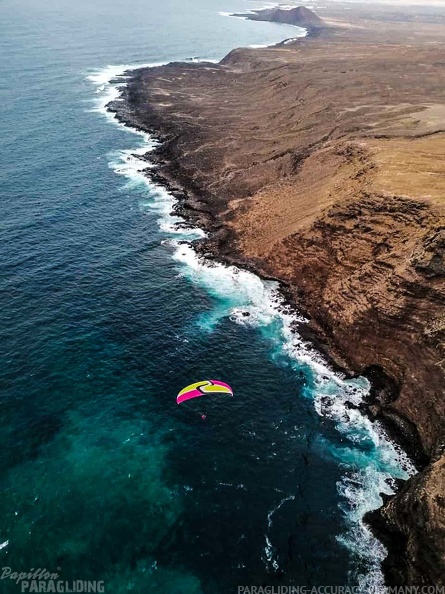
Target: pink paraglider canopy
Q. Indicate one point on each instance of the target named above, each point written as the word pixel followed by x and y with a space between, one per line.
pixel 203 388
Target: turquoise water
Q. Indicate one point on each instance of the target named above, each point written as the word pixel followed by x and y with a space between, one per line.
pixel 106 314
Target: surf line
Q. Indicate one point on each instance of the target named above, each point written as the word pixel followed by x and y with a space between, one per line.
pixel 258 303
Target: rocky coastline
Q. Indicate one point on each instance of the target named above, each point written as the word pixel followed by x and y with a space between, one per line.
pixel 300 16
pixel 333 190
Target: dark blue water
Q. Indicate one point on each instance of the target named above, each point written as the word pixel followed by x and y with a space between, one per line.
pixel 106 315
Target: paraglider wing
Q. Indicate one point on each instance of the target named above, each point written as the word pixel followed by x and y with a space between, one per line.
pixel 202 388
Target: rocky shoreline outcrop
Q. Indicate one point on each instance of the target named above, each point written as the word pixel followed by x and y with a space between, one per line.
pixel 412 526
pixel 322 164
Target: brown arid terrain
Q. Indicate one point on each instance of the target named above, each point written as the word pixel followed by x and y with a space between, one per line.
pixel 322 163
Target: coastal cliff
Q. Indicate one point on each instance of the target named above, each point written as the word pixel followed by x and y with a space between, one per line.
pixel 412 525
pixel 322 164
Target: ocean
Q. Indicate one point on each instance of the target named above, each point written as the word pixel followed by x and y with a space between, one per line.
pixel 107 313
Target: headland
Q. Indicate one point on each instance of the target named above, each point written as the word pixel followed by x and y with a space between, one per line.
pixel 321 163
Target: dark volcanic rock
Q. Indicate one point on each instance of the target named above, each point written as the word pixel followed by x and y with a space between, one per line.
pixel 300 16
pixel 412 526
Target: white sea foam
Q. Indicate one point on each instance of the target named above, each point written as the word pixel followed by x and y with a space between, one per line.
pixel 131 163
pixel 244 298
pixel 270 555
pixel 248 300
pixel 107 81
pixel 276 508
